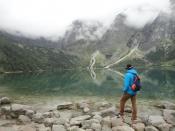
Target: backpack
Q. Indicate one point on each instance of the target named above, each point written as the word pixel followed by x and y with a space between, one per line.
pixel 136 86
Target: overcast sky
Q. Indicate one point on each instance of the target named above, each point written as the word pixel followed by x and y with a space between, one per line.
pixel 52 17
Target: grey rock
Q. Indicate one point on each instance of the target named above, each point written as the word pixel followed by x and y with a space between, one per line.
pixel 164 127
pixel 66 105
pixel 169 116
pixel 29 113
pixel 166 105
pixel 116 121
pixel 58 128
pixel 139 126
pixel 106 121
pixel 88 123
pixel 19 109
pixel 151 128
pixel 79 119
pixel 48 122
pixel 27 128
pixel 5 100
pixel 96 126
pixel 5 109
pixel 156 120
pixel 106 128
pixel 24 119
pixel 86 110
pixel 7 129
pixel 98 117
pixel 108 112
pixel 122 128
pixel 38 118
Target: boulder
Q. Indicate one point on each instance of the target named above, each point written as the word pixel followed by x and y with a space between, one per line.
pixel 116 121
pixel 29 113
pixel 5 100
pixel 48 122
pixel 156 120
pixel 122 128
pixel 106 128
pixel 107 122
pixel 38 118
pixel 79 119
pixel 66 105
pixel 75 128
pixel 96 126
pixel 166 105
pixel 108 112
pixel 5 109
pixel 26 128
pixel 164 127
pixel 22 119
pixel 151 128
pixel 88 123
pixel 58 128
pixel 169 116
pixel 98 117
pixel 41 127
pixel 19 109
pixel 86 110
pixel 139 127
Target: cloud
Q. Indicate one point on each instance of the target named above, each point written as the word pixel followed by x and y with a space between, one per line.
pixel 51 17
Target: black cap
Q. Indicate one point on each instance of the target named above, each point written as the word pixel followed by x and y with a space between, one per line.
pixel 129 66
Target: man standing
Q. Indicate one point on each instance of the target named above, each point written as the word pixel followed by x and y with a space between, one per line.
pixel 128 93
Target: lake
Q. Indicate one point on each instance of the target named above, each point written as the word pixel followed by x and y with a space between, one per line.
pixel 100 84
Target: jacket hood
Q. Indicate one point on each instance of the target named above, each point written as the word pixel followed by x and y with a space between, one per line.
pixel 133 71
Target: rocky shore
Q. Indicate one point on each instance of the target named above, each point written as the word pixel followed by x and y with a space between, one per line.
pixel 82 116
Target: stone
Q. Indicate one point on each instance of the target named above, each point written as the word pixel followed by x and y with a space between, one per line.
pixel 108 112
pixel 96 126
pixel 156 120
pixel 122 128
pixel 106 121
pixel 29 113
pixel 169 116
pixel 164 127
pixel 116 121
pixel 5 100
pixel 27 128
pixel 88 123
pixel 44 129
pixel 19 109
pixel 86 110
pixel 5 109
pixel 24 119
pixel 139 127
pixel 58 128
pixel 106 128
pixel 48 122
pixel 98 117
pixel 79 119
pixel 75 128
pixel 89 130
pixel 144 117
pixel 38 118
pixel 7 129
pixel 151 128
pixel 166 105
pixel 66 105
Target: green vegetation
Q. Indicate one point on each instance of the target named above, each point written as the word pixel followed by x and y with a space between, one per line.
pixel 24 57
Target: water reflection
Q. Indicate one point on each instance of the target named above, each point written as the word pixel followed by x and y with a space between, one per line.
pixel 157 83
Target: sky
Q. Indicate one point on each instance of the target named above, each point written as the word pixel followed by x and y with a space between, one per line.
pixel 53 17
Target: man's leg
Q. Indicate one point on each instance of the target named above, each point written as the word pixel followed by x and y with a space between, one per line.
pixel 123 100
pixel 134 108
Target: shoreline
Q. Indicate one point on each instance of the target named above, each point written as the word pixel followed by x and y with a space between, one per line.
pixel 84 115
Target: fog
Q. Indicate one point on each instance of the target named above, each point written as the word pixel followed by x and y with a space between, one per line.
pixel 52 17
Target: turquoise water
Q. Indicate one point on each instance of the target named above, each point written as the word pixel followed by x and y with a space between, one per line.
pixel 158 84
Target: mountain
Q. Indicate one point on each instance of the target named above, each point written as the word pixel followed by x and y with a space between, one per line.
pixel 90 42
pixel 24 54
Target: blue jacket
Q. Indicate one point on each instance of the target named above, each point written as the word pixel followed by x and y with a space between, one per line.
pixel 128 81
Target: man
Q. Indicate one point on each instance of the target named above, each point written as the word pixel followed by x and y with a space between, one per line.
pixel 128 93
